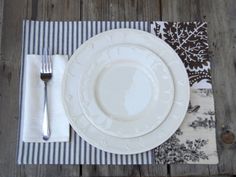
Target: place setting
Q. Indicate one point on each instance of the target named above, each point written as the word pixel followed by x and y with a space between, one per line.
pixel 110 92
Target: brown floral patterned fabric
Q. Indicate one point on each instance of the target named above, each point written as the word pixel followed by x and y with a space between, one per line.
pixel 189 40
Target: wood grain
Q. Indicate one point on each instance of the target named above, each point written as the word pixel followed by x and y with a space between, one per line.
pixel 221 18
pixel 121 10
pixel 1 21
pixel 9 79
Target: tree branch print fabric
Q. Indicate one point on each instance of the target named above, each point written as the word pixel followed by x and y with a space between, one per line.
pixel 194 142
pixel 189 40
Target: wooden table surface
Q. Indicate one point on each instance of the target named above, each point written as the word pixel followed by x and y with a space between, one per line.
pixel 221 18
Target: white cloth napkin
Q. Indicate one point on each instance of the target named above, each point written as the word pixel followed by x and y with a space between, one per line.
pixel 32 101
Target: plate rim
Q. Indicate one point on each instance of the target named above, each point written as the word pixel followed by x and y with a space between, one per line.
pixel 149 35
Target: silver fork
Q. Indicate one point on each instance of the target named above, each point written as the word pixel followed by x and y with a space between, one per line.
pixel 46 75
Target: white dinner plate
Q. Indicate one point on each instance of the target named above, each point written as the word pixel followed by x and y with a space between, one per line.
pixel 86 88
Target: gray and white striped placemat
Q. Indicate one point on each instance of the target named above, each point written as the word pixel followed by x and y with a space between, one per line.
pixel 64 38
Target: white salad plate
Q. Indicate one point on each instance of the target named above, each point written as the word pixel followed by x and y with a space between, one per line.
pixel 125 91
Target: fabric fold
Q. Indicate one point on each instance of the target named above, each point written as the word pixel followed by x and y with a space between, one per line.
pixel 33 95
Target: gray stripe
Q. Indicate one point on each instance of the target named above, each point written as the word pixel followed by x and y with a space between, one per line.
pixel 90 154
pixel 58 150
pixel 43 33
pixel 106 158
pixel 50 153
pixel 110 25
pixel 92 28
pixel 34 35
pixel 73 37
pixel 53 152
pixel 84 152
pixel 39 38
pixel 43 154
pixel 126 159
pixel 71 146
pixel 20 144
pixel 47 154
pixel 64 152
pixel 105 24
pixel 142 157
pixel 82 32
pixel 137 159
pixel 40 153
pixel 56 37
pixel 132 159
pixel 73 153
pixel 63 148
pixel 29 36
pixel 30 154
pixel 116 158
pixel 69 150
pixel 95 155
pixel 52 37
pixel 27 48
pixel 100 25
pixel 37 150
pixel 147 153
pixel 100 156
pixel 63 37
pixel 111 158
pixel 27 153
pixel 77 149
pixel 59 30
pixel 121 160
pixel 68 32
pixel 129 24
pixel 80 150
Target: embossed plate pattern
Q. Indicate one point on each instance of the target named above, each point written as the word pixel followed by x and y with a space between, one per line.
pixel 98 138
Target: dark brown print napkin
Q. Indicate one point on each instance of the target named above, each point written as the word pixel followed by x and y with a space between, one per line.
pixel 194 142
pixel 189 40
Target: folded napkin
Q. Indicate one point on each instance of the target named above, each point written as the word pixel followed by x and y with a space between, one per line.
pixel 33 97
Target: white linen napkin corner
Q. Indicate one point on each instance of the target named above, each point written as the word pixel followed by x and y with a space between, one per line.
pixel 32 101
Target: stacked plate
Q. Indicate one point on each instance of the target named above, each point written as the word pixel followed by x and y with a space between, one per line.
pixel 125 91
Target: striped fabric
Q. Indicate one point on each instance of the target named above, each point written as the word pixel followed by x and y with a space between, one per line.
pixel 64 38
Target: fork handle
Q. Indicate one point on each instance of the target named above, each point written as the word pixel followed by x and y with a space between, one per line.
pixel 45 127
